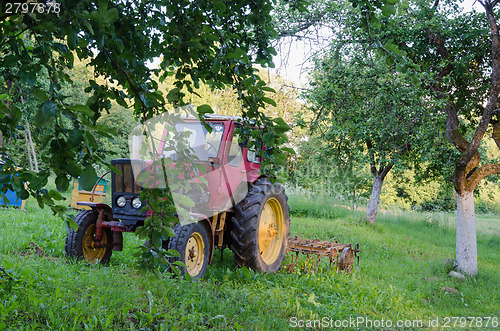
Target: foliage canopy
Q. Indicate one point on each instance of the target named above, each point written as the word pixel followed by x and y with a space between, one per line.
pixel 214 42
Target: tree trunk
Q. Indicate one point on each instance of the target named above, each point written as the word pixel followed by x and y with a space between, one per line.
pixel 371 212
pixel 466 250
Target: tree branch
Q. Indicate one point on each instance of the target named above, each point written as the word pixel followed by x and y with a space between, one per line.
pixel 452 128
pixel 15 36
pixel 442 50
pixel 452 122
pixel 132 84
pixel 483 172
pixel 373 166
pixel 494 92
pixel 386 170
pixel 302 26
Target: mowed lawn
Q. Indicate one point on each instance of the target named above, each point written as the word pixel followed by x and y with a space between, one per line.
pixel 402 282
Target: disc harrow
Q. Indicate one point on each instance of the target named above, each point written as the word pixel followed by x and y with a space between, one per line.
pixel 341 256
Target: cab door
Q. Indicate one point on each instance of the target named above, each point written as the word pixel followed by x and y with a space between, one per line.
pixel 233 173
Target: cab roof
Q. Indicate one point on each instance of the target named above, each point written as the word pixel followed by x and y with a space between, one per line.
pixel 222 117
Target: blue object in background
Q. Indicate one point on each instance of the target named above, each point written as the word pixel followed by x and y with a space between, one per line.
pixel 11 196
pixel 13 199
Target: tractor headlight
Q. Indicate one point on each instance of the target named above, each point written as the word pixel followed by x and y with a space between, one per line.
pixel 136 203
pixel 121 201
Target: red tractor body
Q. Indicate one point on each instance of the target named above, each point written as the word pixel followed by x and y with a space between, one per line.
pixel 238 208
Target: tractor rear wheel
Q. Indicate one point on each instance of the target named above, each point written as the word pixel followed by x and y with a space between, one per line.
pixel 192 242
pixel 261 226
pixel 80 244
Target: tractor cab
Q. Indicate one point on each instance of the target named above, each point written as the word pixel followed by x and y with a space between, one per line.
pixel 227 166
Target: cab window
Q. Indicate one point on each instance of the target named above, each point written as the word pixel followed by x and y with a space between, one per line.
pixel 235 153
pixel 252 154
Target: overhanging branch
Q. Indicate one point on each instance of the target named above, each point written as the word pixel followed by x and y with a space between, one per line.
pixel 483 172
pixel 490 108
pixel 452 128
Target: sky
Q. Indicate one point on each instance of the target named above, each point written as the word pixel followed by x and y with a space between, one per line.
pixel 293 58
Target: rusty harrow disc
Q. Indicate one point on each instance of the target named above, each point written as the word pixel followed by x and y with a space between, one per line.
pixel 340 255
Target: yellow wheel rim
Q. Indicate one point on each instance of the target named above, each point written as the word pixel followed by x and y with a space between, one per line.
pixel 91 254
pixel 271 228
pixel 194 254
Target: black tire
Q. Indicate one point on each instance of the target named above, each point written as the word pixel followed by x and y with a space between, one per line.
pixel 79 243
pixel 245 234
pixel 189 241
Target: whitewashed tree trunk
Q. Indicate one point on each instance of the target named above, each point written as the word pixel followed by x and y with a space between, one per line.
pixel 371 212
pixel 466 251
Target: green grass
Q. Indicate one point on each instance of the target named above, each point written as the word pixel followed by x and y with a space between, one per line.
pixel 401 277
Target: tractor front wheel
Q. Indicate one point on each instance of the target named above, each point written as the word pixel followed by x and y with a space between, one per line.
pixel 193 244
pixel 81 244
pixel 261 226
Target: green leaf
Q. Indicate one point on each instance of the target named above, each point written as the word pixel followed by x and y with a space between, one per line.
pixel 24 194
pixel 75 137
pixel 269 101
pixel 89 27
pixel 176 270
pixel 10 61
pixel 215 67
pixel 41 95
pixel 73 168
pixel 28 77
pixel 268 89
pixel 388 10
pixel 17 184
pixel 204 109
pixel 220 6
pixel 246 273
pixel 53 194
pixel 46 113
pixel 288 149
pixel 268 139
pixel 113 168
pixel 156 238
pixel 72 37
pixel 39 181
pixel 88 178
pixel 183 200
pixel 71 223
pixel 110 17
pixel 173 253
pixel 5 199
pixel 179 263
pixel 281 124
pixel 62 183
pixel 27 175
pixel 173 95
pixel 170 232
pixel 82 109
pixel 91 140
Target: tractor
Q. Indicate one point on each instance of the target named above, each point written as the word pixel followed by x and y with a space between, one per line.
pixel 240 208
